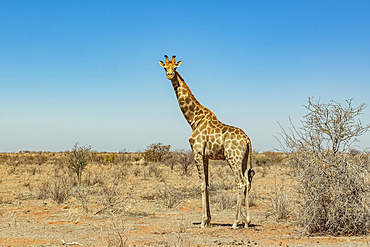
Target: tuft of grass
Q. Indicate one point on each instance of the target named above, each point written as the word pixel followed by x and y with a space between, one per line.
pixel 224 200
pixel 59 190
pixel 280 203
pixel 116 236
pixel 169 196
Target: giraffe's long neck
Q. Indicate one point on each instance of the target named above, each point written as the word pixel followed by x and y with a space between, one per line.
pixel 193 111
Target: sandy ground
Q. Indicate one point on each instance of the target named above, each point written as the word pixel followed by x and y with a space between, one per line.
pixel 140 211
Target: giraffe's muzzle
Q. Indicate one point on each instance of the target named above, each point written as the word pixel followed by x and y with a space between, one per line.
pixel 170 75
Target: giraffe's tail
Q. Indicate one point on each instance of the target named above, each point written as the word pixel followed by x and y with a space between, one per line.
pixel 250 170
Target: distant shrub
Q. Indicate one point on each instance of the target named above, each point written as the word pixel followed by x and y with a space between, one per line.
pixel 186 160
pixel 156 152
pixel 111 158
pixel 78 159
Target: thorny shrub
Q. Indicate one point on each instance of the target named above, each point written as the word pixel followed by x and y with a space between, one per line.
pixel 333 184
pixel 335 191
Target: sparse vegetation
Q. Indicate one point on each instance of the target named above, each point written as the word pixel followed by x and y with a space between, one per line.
pixel 333 184
pixel 122 189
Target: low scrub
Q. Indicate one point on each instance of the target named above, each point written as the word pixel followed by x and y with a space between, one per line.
pixel 59 190
pixel 333 181
pixel 335 194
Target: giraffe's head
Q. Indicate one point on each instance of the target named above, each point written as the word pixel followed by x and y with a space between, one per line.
pixel 170 66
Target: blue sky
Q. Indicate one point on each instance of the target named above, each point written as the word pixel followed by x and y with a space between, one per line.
pixel 88 71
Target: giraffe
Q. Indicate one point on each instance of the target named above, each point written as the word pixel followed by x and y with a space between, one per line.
pixel 212 139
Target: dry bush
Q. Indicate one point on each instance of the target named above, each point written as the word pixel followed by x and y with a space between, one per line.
pixel 190 191
pixel 33 170
pixel 78 158
pixel 266 160
pixel 182 157
pixel 83 194
pixel 260 159
pixel 172 158
pixel 94 178
pixel 333 184
pixel 280 204
pixel 224 200
pixel 111 158
pixel 136 171
pixel 59 190
pixel 3 158
pixel 155 171
pixel 186 161
pixel 222 185
pixel 156 152
pixel 335 194
pixel 116 236
pixel 222 177
pixel 253 199
pixel 169 196
pixel 111 195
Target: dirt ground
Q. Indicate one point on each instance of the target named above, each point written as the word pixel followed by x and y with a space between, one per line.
pixel 141 204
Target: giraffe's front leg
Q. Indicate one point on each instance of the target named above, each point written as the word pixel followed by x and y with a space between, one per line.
pixel 202 166
pixel 206 218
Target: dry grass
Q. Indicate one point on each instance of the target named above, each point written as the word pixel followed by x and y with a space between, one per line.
pixel 335 192
pixel 120 195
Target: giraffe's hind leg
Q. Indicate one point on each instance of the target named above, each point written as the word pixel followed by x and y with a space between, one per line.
pixel 239 213
pixel 248 174
pixel 236 167
pixel 246 196
pixel 239 167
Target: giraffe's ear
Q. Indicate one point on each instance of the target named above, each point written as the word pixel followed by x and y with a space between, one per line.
pixel 178 63
pixel 162 63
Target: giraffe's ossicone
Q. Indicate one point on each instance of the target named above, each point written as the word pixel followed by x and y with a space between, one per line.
pixel 212 139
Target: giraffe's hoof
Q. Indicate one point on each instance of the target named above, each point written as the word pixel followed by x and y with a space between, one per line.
pixel 247 222
pixel 235 225
pixel 205 224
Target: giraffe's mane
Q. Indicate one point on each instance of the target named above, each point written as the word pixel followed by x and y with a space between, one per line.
pixel 192 95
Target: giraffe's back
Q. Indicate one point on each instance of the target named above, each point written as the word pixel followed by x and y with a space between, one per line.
pixel 220 141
